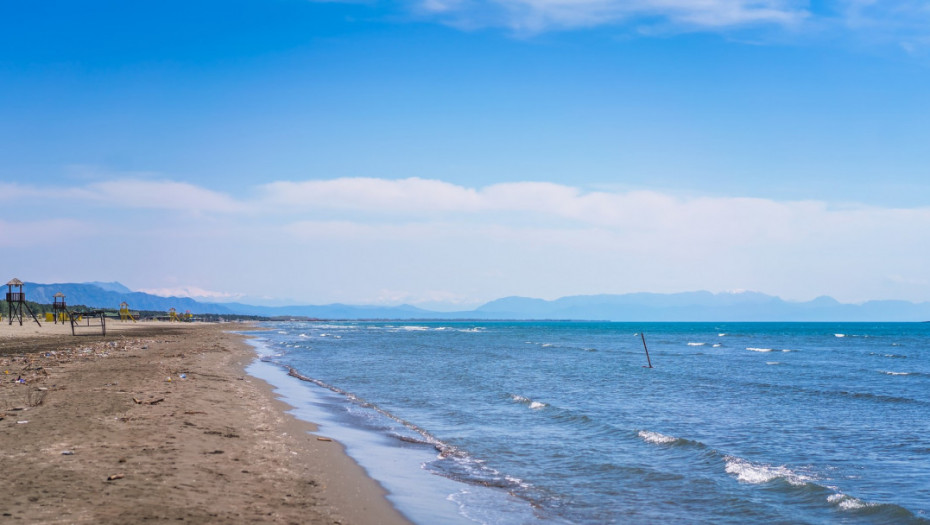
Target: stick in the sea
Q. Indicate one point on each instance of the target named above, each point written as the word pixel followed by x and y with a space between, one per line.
pixel 643 336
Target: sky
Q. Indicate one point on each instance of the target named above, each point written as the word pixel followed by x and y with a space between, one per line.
pixel 445 153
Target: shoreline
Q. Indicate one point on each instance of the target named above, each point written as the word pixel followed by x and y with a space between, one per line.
pixel 105 429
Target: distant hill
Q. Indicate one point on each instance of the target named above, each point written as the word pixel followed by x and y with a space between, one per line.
pixel 702 306
pixel 686 306
pixel 110 295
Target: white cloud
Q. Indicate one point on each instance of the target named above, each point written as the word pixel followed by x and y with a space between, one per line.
pixel 163 194
pixel 532 16
pixel 192 292
pixel 413 237
pixel 431 207
pixel 381 195
pixel 905 22
pixel 129 193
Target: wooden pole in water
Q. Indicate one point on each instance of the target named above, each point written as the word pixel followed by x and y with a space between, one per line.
pixel 643 336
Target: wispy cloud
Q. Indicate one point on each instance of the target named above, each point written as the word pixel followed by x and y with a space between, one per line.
pixel 380 195
pixel 193 292
pixel 161 194
pixel 418 235
pixel 905 23
pixel 533 16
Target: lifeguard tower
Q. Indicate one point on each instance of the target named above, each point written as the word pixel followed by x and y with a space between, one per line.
pixel 60 308
pixel 124 313
pixel 16 302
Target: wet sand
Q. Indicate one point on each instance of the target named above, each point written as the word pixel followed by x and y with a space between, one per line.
pixel 106 430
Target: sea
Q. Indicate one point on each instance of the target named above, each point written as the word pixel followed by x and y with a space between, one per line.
pixel 565 422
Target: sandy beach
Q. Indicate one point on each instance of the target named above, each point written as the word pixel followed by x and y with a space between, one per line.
pixel 157 422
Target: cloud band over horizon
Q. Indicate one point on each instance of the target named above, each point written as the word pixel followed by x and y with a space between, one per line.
pixel 415 240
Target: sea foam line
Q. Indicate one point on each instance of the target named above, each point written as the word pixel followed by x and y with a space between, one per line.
pixel 466 468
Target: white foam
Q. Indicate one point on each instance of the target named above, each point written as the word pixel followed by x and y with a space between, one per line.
pixel 535 405
pixel 839 335
pixel 772 363
pixel 717 345
pixel 754 349
pixel 697 344
pixel 721 335
pixel 846 502
pixel 896 373
pixel 654 437
pixel 748 472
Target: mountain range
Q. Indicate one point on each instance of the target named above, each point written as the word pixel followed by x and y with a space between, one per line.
pixel 639 307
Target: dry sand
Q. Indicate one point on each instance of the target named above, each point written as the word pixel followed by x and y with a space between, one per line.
pixel 98 434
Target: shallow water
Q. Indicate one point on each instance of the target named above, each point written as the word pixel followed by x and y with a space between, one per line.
pixel 499 422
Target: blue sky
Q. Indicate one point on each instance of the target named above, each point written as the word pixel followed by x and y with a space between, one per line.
pixel 449 152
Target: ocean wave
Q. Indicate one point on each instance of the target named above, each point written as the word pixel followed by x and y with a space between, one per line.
pixel 754 349
pixel 656 438
pixel 721 334
pixel 716 345
pixel 839 335
pixel 772 363
pixel 697 344
pixel 878 397
pixel 535 405
pixel 895 373
pixel 878 512
pixel 758 473
pixel 846 502
pixel 342 327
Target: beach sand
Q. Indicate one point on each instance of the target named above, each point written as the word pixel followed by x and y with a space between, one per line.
pixel 99 434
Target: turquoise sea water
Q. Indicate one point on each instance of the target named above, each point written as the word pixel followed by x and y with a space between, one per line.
pixel 559 422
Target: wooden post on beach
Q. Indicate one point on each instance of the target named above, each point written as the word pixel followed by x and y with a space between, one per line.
pixel 643 336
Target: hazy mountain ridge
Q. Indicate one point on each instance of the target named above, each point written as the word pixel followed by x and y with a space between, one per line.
pixel 685 306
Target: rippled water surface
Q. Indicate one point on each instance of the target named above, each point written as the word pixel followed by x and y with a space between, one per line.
pixel 560 422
